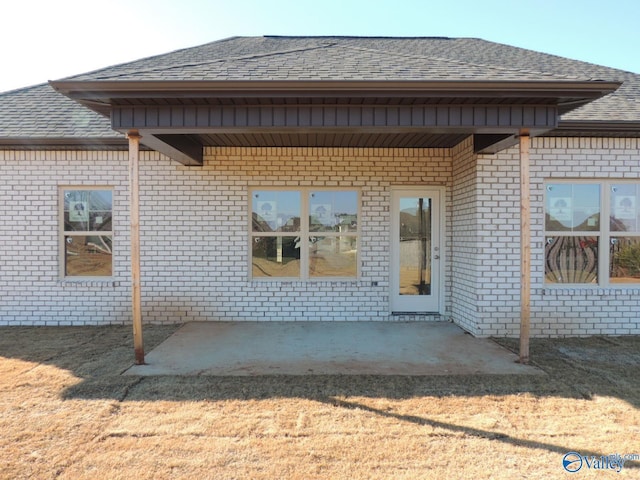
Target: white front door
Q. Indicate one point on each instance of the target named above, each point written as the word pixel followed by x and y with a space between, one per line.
pixel 416 256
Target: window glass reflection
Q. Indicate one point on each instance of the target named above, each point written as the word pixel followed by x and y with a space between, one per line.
pixel 624 258
pixel 333 256
pixel 333 211
pixel 275 211
pixel 571 259
pixel 572 207
pixel 625 208
pixel 276 257
pixel 88 256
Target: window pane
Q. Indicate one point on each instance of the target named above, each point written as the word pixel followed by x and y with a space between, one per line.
pixel 333 256
pixel 76 210
pixel 275 211
pixel 624 256
pixel 625 215
pixel 100 206
pixel 571 260
pixel 87 210
pixel 100 200
pixel 572 207
pixel 88 256
pixel 276 257
pixel 331 211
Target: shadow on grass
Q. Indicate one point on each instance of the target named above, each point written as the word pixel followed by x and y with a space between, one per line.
pixel 577 368
pixel 472 432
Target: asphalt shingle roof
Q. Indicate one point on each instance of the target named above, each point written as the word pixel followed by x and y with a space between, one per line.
pixel 41 112
pixel 279 58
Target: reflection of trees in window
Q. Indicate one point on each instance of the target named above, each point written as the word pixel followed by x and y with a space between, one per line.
pixel 625 257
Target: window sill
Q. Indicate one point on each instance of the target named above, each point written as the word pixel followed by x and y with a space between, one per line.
pixel 596 291
pixel 88 282
pixel 302 282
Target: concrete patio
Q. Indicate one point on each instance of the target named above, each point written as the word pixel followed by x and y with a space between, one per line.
pixel 324 348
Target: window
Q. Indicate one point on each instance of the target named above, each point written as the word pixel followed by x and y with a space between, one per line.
pixel 592 233
pixel 87 232
pixel 304 234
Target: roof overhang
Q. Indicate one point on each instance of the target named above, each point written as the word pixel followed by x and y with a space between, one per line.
pixel 68 143
pixel 179 118
pixel 597 128
pixel 565 94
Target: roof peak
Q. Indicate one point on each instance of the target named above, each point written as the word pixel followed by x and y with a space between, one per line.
pixel 319 58
pixel 356 37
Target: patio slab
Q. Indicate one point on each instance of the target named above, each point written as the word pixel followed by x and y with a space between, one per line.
pixel 327 348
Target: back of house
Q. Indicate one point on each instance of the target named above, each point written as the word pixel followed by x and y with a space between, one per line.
pixel 327 179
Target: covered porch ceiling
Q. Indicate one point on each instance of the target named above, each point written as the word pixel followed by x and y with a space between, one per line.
pixel 180 118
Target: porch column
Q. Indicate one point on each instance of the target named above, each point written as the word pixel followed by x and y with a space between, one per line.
pixel 525 247
pixel 134 215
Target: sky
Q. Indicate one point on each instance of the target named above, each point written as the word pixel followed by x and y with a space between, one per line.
pixel 43 40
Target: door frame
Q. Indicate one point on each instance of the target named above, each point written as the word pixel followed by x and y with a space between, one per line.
pixel 437 268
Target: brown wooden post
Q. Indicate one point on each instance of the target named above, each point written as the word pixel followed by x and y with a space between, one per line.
pixel 134 215
pixel 525 247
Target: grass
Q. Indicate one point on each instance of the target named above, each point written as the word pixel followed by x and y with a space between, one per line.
pixel 66 412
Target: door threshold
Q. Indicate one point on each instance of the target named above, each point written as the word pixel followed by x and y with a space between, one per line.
pixel 415 313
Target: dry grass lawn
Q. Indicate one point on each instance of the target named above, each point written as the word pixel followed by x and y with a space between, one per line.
pixel 66 412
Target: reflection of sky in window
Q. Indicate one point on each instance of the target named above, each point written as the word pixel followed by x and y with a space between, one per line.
pixel 101 200
pixel 411 204
pixel 97 200
pixel 341 202
pixel 624 207
pixel 571 205
pixel 276 207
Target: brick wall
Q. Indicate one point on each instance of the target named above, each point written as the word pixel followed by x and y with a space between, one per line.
pixel 555 311
pixel 194 236
pixel 210 219
pixel 465 260
pixel 194 224
pixel 31 292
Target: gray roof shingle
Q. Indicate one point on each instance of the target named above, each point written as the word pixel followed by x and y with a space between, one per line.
pixel 41 112
pixel 298 59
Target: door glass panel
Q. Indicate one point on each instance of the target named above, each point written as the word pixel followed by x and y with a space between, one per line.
pixel 415 246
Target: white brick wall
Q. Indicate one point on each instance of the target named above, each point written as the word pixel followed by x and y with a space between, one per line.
pixel 465 261
pixel 30 289
pixel 555 312
pixel 194 236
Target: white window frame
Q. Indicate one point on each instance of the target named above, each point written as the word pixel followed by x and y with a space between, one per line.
pixel 604 233
pixel 62 233
pixel 303 233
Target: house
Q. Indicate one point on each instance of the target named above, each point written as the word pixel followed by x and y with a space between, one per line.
pixel 332 178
